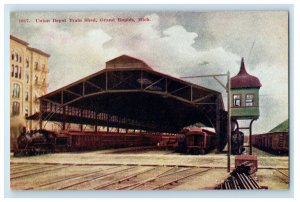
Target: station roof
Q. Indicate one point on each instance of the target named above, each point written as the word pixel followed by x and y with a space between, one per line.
pixel 125 61
pixel 134 93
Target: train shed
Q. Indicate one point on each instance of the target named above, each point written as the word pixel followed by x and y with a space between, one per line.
pixel 129 94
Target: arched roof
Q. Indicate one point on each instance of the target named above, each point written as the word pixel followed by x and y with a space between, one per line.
pixel 136 96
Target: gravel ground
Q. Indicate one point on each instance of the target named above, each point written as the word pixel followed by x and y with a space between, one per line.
pixel 149 158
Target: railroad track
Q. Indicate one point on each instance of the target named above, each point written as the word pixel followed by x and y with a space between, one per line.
pixel 105 177
pixel 170 180
pixel 56 176
pixel 285 176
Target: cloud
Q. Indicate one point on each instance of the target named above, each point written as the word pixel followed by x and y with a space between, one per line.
pixel 74 56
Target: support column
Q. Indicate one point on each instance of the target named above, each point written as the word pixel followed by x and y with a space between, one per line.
pixel 142 79
pixel 191 94
pixel 107 122
pixel 217 124
pixel 81 125
pixel 64 118
pixel 106 81
pixel 118 129
pixel 250 136
pixel 64 110
pixel 229 121
pixel 40 117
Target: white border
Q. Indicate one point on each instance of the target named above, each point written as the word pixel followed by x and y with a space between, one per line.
pixel 294 47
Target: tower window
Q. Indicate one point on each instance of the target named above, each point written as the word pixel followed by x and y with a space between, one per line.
pixel 249 100
pixel 236 100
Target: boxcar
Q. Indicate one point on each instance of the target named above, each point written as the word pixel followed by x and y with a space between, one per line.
pixel 168 142
pixel 275 142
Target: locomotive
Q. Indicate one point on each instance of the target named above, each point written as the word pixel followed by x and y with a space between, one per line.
pixel 237 142
pixel 39 142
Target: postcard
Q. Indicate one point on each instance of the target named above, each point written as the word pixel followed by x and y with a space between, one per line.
pixel 149 100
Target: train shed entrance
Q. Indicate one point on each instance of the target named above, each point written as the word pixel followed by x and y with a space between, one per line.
pixel 129 94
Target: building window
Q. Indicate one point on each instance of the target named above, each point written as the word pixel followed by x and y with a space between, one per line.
pixel 36 79
pixel 20 59
pixel 26 112
pixel 20 70
pixel 27 63
pixel 15 108
pixel 249 100
pixel 37 95
pixel 36 66
pixel 27 78
pixel 12 70
pixel 17 57
pixel 12 56
pixel 16 90
pixel 16 71
pixel 236 100
pixel 26 96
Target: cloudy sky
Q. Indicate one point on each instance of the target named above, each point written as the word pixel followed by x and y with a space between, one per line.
pixel 176 43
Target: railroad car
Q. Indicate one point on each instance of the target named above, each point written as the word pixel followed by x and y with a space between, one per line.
pixel 274 142
pixel 200 140
pixel 192 140
pixel 44 141
pixel 90 141
pixel 168 142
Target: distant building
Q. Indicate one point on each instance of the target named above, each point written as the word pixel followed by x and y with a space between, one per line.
pixel 28 81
